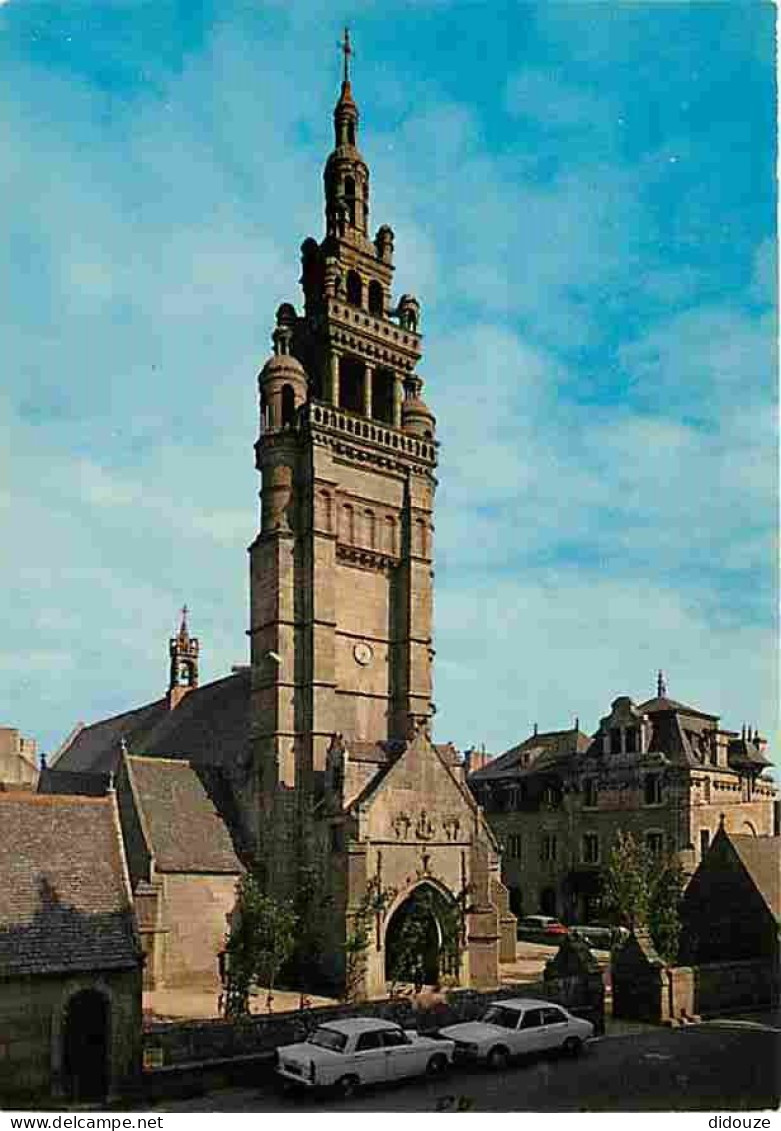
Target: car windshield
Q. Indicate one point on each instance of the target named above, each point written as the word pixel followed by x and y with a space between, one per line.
pixel 327 1039
pixel 501 1015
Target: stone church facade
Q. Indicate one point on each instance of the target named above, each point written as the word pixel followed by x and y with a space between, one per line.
pixel 320 755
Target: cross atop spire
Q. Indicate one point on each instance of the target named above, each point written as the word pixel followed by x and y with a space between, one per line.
pixel 347 50
pixel 183 626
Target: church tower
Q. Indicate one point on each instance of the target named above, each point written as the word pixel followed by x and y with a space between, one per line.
pixel 183 670
pixel 341 569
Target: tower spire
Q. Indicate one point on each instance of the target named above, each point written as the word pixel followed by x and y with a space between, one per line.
pixel 183 655
pixel 347 51
pixel 661 686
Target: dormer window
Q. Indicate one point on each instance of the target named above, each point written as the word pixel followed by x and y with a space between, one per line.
pixel 630 740
pixel 615 740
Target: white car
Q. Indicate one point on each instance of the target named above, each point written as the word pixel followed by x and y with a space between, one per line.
pixel 518 1026
pixel 361 1050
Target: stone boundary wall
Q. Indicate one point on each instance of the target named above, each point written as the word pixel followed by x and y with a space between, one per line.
pixel 187 1044
pixel 671 994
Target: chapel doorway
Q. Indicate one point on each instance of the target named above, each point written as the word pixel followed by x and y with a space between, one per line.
pixel 422 938
pixel 85 1046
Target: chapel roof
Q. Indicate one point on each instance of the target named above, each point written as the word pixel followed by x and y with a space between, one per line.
pixel 65 903
pixel 761 857
pixel 209 725
pixel 185 830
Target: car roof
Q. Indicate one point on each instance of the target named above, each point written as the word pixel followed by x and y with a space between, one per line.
pixel 526 1002
pixel 359 1024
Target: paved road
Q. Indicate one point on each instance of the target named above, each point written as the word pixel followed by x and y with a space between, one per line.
pixel 711 1067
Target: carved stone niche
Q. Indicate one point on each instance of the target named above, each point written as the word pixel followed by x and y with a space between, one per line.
pixel 424 829
pixel 401 825
pixel 451 827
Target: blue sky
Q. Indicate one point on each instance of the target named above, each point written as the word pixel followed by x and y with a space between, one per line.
pixel 584 201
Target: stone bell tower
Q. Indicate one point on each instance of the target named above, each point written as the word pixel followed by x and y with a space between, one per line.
pixel 341 569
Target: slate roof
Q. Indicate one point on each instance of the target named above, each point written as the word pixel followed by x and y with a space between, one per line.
pixel 543 750
pixel 210 725
pixel 64 896
pixel 761 857
pixel 662 703
pixel 73 782
pixel 184 830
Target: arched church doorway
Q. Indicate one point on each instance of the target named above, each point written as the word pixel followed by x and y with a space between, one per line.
pixel 85 1046
pixel 422 939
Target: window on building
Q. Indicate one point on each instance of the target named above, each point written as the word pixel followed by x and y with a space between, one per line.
pixel 551 796
pixel 615 740
pixel 590 848
pixel 354 288
pixel 653 789
pixel 630 740
pixel 382 395
pixel 351 384
pixel 548 847
pixel 590 793
pixel 376 302
pixel 514 846
pixel 654 842
pixel 704 841
pixel 288 405
pixel 349 195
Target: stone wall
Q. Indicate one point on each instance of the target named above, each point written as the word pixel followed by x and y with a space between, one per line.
pixel 644 989
pixel 32 1021
pixel 191 1043
pixel 195 919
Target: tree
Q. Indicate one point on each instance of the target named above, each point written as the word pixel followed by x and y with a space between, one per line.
pixel 373 902
pixel 260 941
pixel 643 891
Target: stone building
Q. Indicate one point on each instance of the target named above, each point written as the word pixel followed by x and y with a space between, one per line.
pixel 17 760
pixel 183 869
pixel 321 751
pixel 70 959
pixel 661 770
pixel 731 909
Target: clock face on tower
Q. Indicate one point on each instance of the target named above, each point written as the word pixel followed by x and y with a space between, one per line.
pixel 362 653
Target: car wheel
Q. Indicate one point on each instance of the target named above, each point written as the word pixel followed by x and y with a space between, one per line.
pixel 498 1058
pixel 346 1086
pixel 572 1046
pixel 436 1065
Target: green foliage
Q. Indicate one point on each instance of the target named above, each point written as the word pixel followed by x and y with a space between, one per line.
pixel 260 941
pixel 413 936
pixel 373 902
pixel 643 891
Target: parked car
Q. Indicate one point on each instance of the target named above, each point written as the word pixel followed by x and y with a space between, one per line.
pixel 535 926
pixel 354 1051
pixel 603 936
pixel 518 1026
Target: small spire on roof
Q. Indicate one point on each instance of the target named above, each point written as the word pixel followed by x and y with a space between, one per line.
pixel 661 686
pixel 183 633
pixel 577 723
pixel 721 820
pixel 535 728
pixel 347 50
